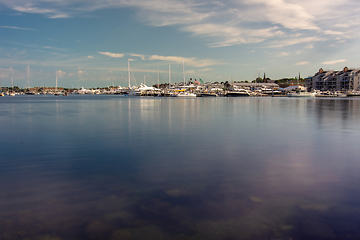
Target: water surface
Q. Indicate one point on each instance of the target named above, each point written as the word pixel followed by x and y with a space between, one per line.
pixel 113 167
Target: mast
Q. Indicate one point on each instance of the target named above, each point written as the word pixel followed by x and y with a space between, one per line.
pixel 12 84
pixel 28 76
pixel 129 72
pixel 169 76
pixel 55 82
pixel 298 83
pixel 183 71
pixel 157 70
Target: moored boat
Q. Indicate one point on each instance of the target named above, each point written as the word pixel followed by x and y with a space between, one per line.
pixel 238 93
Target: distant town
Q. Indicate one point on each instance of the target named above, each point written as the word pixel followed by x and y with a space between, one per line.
pixel 324 83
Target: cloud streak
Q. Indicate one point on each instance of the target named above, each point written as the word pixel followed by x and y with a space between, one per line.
pixel 302 63
pixel 334 62
pixel 188 61
pixel 113 55
pixel 16 28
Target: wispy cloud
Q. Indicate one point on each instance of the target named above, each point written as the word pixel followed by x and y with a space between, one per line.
pixel 206 69
pixel 138 55
pixel 114 55
pixel 224 22
pixel 7 72
pixel 188 61
pixel 54 48
pixel 302 63
pixel 282 54
pixel 91 57
pixel 294 41
pixel 334 62
pixel 17 28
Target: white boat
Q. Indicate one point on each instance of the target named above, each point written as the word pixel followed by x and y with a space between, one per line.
pixel 186 94
pixel 238 93
pixel 206 94
pixel 300 91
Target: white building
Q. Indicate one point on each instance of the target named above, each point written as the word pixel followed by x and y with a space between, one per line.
pixel 345 80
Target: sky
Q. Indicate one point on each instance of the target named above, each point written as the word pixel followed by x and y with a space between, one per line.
pixel 88 43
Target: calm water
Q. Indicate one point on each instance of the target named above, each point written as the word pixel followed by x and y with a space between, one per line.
pixel 112 167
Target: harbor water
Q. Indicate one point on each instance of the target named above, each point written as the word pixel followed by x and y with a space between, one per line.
pixel 89 167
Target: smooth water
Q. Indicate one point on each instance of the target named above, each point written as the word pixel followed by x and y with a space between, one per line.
pixel 113 167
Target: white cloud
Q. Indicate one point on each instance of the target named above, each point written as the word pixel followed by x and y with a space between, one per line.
pixel 17 28
pixel 188 61
pixel 294 41
pixel 114 55
pixel 223 22
pixel 7 72
pixel 205 69
pixel 331 32
pixel 282 54
pixel 138 55
pixel 60 74
pixel 302 63
pixel 80 73
pixel 91 57
pixel 291 15
pixel 334 62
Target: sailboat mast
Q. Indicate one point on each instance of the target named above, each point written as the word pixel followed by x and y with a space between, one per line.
pixel 183 71
pixel 157 70
pixel 129 72
pixel 55 82
pixel 28 76
pixel 169 75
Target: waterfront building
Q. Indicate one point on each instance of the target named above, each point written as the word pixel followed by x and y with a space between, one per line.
pixel 329 80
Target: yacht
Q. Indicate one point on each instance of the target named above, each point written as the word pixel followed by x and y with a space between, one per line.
pixel 207 94
pixel 300 91
pixel 238 93
pixel 186 94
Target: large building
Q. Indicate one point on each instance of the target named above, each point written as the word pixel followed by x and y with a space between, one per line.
pixel 345 80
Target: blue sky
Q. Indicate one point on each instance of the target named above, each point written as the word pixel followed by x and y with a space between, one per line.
pixel 88 43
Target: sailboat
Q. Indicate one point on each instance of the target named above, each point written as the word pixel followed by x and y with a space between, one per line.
pixel 12 93
pixel 56 91
pixel 184 93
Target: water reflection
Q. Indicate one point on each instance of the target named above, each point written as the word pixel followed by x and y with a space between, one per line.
pixel 106 167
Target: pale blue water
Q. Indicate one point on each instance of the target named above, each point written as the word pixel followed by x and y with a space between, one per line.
pixel 113 167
